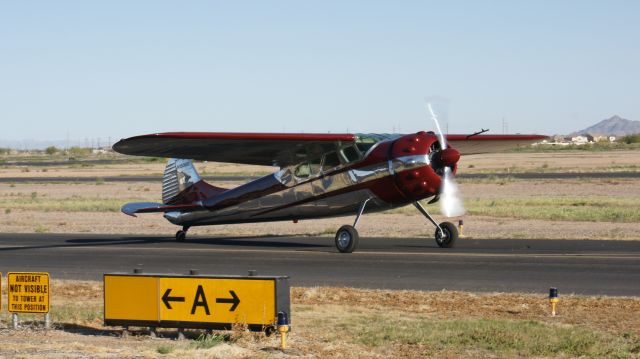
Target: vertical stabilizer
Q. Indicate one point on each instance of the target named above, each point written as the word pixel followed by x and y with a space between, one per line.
pixel 179 175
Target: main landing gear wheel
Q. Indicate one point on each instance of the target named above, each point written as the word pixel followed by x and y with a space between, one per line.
pixel 347 239
pixel 448 236
pixel 181 235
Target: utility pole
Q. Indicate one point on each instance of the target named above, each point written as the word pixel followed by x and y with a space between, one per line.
pixel 505 126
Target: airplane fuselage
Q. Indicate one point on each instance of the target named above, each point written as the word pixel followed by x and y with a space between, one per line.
pixel 392 173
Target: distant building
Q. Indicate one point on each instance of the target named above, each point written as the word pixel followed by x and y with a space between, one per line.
pixel 557 140
pixel 580 140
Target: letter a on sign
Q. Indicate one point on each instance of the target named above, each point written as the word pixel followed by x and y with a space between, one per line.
pixel 200 301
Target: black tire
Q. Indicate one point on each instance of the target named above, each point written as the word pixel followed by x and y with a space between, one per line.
pixel 450 235
pixel 347 239
pixel 181 235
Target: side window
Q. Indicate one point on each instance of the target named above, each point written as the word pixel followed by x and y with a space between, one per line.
pixel 302 170
pixel 331 160
pixel 314 166
pixel 350 154
pixel 364 147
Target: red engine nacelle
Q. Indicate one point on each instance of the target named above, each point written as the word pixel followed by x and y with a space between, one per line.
pixel 416 166
pixel 417 163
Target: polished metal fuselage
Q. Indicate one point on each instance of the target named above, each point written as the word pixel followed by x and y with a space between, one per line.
pixel 282 196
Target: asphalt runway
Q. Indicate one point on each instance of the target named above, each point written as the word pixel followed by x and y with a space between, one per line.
pixel 580 267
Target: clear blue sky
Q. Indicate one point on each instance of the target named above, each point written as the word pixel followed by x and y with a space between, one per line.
pixel 121 68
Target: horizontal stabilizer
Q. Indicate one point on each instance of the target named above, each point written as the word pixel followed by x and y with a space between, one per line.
pixel 149 207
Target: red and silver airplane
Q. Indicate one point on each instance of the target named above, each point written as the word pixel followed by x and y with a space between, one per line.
pixel 319 176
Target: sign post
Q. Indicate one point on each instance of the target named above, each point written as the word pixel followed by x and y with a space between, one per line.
pixel 28 292
pixel 194 301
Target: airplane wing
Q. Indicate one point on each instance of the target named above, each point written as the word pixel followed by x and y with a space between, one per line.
pixel 266 149
pixel 475 144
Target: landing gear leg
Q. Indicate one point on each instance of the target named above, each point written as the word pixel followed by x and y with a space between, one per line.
pixel 347 236
pixel 446 232
pixel 181 235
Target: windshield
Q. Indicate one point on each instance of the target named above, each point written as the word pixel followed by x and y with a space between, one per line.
pixel 364 141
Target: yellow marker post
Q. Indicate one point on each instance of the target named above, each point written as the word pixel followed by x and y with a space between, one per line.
pixel 553 300
pixel 28 292
pixel 461 228
pixel 283 329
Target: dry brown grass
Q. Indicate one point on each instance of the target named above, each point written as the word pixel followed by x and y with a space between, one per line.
pixel 551 162
pixel 128 169
pixel 31 207
pixel 93 207
pixel 355 323
pixel 598 313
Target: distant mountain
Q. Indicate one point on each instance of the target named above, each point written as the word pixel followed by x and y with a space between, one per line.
pixel 614 126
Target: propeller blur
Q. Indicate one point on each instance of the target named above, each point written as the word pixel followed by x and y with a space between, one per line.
pixel 451 203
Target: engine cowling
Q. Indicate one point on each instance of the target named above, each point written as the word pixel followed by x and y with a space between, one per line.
pixel 418 162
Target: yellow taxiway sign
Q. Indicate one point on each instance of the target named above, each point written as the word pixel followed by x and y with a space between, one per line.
pixel 194 301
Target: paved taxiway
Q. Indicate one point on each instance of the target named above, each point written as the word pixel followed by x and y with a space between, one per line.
pixel 582 267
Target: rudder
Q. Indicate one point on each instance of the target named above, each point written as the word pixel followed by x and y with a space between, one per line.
pixel 179 175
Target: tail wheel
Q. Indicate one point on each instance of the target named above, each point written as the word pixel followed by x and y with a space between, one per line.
pixel 447 238
pixel 347 239
pixel 181 235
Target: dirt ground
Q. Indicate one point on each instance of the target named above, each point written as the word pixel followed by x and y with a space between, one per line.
pixel 128 169
pixel 327 323
pixel 406 222
pixel 564 161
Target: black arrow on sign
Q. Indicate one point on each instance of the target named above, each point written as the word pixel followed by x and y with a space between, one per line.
pixel 166 298
pixel 235 300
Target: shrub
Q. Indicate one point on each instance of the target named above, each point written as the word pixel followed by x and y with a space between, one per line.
pixel 78 151
pixel 629 139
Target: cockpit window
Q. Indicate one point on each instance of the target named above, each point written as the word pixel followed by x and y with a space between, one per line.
pixel 314 166
pixel 364 146
pixel 308 169
pixel 331 160
pixel 302 170
pixel 366 141
pixel 350 154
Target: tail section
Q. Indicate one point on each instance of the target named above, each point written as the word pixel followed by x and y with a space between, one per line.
pixel 179 175
pixel 182 190
pixel 182 184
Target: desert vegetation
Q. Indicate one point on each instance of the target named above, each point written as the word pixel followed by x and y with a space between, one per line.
pixel 340 322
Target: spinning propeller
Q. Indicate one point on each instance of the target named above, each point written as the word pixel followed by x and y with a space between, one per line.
pixel 443 160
